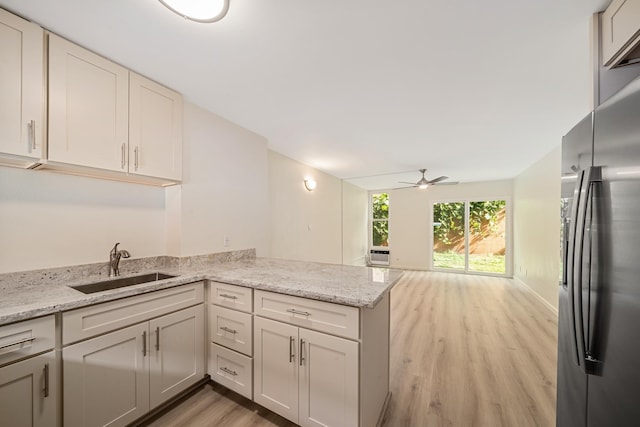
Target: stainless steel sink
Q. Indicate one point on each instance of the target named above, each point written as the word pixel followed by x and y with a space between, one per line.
pixel 120 282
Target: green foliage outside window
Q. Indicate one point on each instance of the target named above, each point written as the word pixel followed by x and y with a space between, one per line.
pixel 449 219
pixel 380 219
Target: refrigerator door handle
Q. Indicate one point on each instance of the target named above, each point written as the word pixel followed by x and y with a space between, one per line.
pixel 592 175
pixel 571 262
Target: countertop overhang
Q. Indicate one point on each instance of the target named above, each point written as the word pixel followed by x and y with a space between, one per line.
pixel 25 297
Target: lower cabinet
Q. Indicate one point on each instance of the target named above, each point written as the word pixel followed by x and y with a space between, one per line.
pixel 115 378
pixel 27 392
pixel 308 377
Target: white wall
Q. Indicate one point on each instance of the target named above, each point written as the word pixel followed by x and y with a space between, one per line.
pixel 537 226
pixel 53 220
pixel 355 211
pixel 305 225
pixel 225 186
pixel 410 223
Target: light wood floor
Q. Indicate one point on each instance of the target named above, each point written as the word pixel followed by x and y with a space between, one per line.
pixel 465 351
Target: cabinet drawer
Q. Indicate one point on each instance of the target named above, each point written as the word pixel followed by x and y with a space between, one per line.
pixel 101 318
pixel 232 329
pixel 232 370
pixel 319 315
pixel 232 296
pixel 26 338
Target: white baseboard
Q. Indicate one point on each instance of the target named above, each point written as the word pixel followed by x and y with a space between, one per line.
pixel 546 303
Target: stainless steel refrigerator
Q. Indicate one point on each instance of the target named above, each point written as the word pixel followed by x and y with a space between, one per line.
pixel 599 306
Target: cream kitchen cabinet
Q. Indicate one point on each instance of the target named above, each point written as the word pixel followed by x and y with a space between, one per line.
pixel 318 363
pixel 231 337
pixel 117 377
pixel 22 112
pixel 620 32
pixel 308 377
pixel 108 122
pixel 28 375
pixel 155 129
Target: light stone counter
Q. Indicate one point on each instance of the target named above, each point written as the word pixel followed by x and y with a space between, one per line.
pixel 26 295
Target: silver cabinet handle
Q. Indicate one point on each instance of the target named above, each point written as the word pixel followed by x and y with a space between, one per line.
pixel 144 343
pixel 32 135
pixel 45 390
pixel 301 313
pixel 229 371
pixel 291 341
pixel 158 338
pixel 122 155
pixel 231 331
pixel 26 340
pixel 135 158
pixel 301 352
pixel 228 296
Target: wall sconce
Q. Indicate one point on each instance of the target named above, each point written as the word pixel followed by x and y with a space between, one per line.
pixel 310 184
pixel 198 10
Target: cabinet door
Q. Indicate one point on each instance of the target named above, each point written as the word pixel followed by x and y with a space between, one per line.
pixel 22 88
pixel 177 353
pixel 620 30
pixel 328 380
pixel 275 380
pixel 27 392
pixel 155 129
pixel 88 108
pixel 106 379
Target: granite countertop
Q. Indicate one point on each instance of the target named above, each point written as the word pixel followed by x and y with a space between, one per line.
pixel 32 294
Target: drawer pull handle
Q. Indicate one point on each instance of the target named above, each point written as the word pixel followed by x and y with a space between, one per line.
pixel 301 313
pixel 301 351
pixel 229 371
pixel 228 296
pixel 26 340
pixel 291 341
pixel 45 390
pixel 231 331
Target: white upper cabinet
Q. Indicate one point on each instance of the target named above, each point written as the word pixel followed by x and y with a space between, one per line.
pixel 108 122
pixel 620 32
pixel 22 126
pixel 155 129
pixel 88 108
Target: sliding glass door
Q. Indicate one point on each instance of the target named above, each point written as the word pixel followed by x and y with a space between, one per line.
pixel 470 236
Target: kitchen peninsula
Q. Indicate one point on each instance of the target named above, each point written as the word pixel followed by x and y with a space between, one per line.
pixel 309 341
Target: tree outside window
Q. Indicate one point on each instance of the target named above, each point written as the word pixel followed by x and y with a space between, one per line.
pixel 380 219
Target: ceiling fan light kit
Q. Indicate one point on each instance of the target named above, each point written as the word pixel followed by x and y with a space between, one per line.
pixel 424 183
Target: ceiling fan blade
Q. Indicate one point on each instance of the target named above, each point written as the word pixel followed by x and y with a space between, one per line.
pixel 447 183
pixel 438 179
pixel 405 182
pixel 401 188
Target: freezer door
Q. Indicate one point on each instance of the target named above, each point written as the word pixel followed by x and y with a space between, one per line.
pixel 614 306
pixel 572 381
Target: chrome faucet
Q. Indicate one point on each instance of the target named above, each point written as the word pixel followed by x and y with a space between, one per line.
pixel 114 260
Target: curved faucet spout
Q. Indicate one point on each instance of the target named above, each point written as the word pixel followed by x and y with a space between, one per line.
pixel 114 260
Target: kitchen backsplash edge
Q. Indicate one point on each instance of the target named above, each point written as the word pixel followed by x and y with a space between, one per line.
pixel 127 266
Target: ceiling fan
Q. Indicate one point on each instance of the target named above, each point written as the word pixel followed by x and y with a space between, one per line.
pixel 424 183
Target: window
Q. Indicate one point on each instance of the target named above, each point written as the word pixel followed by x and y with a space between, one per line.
pixel 380 219
pixel 470 236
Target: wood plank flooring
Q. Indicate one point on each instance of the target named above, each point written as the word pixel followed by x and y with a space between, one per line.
pixel 465 351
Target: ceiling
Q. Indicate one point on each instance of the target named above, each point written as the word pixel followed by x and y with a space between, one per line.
pixel 475 90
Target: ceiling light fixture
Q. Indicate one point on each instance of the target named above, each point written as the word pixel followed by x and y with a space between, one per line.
pixel 198 10
pixel 309 184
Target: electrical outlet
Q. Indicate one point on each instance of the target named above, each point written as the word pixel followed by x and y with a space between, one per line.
pixel 227 241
